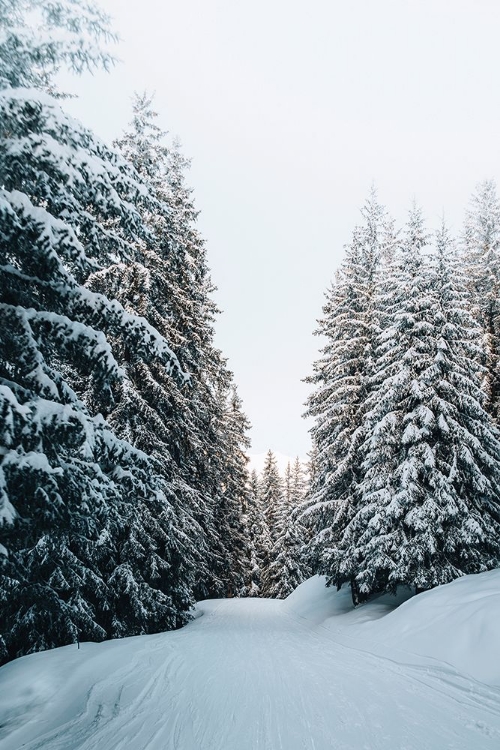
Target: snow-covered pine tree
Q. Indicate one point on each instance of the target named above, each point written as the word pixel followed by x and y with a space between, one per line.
pixel 232 554
pixel 210 378
pixel 156 413
pixel 466 441
pixel 342 380
pixel 298 485
pixel 70 488
pixel 481 255
pixel 194 313
pixel 312 468
pixel 287 483
pixel 428 503
pixel 286 569
pixel 271 493
pixel 271 498
pixel 258 539
pixel 197 441
pixel 404 310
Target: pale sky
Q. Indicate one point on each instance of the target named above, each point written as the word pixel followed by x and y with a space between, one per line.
pixel 289 110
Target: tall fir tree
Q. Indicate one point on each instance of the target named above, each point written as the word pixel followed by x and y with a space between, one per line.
pixel 215 408
pixel 403 305
pixel 298 484
pixel 155 412
pixel 202 435
pixel 481 255
pixel 287 484
pixel 271 492
pixel 231 495
pixel 259 542
pixel 342 379
pixel 286 568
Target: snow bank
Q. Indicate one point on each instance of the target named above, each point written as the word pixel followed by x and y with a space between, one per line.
pixel 457 623
pixel 59 681
pixel 33 682
pixel 315 602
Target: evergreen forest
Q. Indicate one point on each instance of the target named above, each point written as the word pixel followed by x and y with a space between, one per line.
pixel 125 489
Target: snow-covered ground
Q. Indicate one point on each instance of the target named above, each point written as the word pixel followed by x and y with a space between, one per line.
pixel 309 673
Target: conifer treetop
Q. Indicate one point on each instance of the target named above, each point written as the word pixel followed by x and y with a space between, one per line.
pixel 39 37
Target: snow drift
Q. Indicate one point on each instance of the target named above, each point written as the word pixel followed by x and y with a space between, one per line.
pixel 456 623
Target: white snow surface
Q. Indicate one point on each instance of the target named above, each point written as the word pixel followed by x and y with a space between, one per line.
pixel 307 673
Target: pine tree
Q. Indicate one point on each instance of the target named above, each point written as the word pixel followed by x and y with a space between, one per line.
pixel 200 429
pixel 286 569
pixel 298 485
pixel 312 468
pixel 271 493
pixel 271 498
pixel 258 538
pixel 404 307
pixel 342 380
pixel 481 250
pixel 156 413
pixel 231 495
pixel 287 484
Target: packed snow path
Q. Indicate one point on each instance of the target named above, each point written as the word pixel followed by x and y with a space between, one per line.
pixel 248 675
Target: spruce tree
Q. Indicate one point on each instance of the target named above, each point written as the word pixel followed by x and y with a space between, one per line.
pixel 298 484
pixel 481 255
pixel 271 496
pixel 200 430
pixel 404 307
pixel 287 484
pixel 156 412
pixel 257 534
pixel 215 410
pixel 342 380
pixel 231 553
pixel 271 493
pixel 286 569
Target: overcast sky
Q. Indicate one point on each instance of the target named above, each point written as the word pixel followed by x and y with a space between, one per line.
pixel 289 110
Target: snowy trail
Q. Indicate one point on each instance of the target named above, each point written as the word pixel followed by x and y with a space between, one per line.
pixel 247 675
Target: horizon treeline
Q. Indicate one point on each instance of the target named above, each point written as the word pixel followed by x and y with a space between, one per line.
pixel 406 404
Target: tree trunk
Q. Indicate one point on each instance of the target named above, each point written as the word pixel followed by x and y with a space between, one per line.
pixel 357 597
